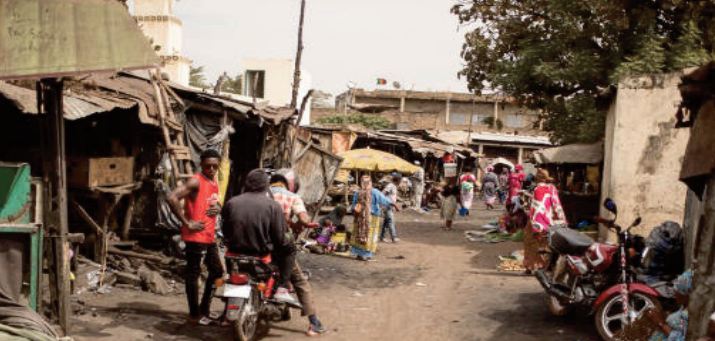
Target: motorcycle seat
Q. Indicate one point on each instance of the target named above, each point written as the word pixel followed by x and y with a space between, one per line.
pixel 570 242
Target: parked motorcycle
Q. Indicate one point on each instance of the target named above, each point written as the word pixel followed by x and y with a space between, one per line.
pixel 583 274
pixel 248 293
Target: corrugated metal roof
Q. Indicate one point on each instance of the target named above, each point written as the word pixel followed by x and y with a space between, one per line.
pixel 75 106
pixel 461 137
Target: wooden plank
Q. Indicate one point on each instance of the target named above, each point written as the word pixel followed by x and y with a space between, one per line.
pixel 55 175
pixel 128 217
pixel 87 218
pixel 133 254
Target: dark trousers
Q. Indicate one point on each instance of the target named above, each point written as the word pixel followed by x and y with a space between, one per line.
pixel 195 253
pixel 303 289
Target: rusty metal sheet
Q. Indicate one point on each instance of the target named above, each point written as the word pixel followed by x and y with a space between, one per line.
pixel 316 168
pixel 51 38
pixel 76 106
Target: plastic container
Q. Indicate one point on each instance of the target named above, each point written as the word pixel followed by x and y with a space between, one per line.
pixel 450 170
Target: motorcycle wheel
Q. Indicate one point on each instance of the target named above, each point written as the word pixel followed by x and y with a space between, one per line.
pixel 245 327
pixel 610 318
pixel 555 307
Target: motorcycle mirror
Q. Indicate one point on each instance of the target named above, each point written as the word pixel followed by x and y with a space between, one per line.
pixel 637 222
pixel 610 205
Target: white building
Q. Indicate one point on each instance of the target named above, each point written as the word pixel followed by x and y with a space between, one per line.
pixel 156 19
pixel 272 80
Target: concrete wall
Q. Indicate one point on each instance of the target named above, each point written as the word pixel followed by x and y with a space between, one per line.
pixel 643 152
pixel 156 19
pixel 153 7
pixel 278 82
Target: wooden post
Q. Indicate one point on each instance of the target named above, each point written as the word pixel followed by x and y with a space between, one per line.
pixel 55 178
pixel 298 56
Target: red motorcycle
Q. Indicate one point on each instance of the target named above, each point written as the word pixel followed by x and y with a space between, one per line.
pixel 597 276
pixel 248 293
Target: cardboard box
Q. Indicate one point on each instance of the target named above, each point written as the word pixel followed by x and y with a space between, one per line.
pixel 104 171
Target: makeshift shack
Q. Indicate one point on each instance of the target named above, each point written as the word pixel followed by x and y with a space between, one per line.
pixel 577 171
pixel 697 112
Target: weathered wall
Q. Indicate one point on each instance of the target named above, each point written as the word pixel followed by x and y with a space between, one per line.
pixel 643 152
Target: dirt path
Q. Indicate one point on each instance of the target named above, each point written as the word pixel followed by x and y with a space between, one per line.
pixel 434 285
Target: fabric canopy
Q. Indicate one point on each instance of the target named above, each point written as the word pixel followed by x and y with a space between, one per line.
pixel 571 153
pixel 373 160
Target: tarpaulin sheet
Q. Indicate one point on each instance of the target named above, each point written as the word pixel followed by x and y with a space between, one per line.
pixel 206 131
pixel 12 261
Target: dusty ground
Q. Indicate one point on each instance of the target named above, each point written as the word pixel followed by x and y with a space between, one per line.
pixel 434 285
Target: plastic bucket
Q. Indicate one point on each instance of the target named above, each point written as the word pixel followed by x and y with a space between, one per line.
pixel 450 170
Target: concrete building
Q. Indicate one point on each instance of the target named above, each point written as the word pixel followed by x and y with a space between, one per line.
pixel 644 152
pixel 515 135
pixel 157 21
pixel 408 109
pixel 272 80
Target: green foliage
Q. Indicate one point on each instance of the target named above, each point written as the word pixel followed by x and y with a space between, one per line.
pixel 233 84
pixel 490 122
pixel 688 49
pixel 563 56
pixel 373 122
pixel 649 57
pixel 197 77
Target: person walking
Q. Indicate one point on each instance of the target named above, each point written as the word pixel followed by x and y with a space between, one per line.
pixel 467 184
pixel 388 224
pixel 515 180
pixel 490 183
pixel 503 185
pixel 366 206
pixel 450 203
pixel 546 211
pixel 198 231
pixel 284 185
pixel 418 186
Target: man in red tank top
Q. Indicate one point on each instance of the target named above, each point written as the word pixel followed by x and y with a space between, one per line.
pixel 198 217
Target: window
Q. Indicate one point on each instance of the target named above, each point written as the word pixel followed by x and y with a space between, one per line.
pixel 458 118
pixel 255 83
pixel 515 121
pixel 463 118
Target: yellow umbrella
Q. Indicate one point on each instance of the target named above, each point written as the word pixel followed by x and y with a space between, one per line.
pixel 372 160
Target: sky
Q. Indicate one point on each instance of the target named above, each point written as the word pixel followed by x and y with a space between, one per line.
pixel 414 42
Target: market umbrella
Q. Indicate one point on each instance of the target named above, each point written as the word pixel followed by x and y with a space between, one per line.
pixel 372 160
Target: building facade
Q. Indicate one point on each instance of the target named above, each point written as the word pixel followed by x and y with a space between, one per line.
pixel 408 109
pixel 272 80
pixel 157 20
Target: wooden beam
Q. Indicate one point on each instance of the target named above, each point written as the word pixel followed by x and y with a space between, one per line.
pixel 49 92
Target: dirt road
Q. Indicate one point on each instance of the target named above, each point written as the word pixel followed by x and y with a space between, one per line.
pixel 434 285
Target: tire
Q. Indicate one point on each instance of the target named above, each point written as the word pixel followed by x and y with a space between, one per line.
pixel 608 313
pixel 246 326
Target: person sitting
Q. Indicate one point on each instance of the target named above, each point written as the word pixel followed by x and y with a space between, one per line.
pixel 675 326
pixel 254 225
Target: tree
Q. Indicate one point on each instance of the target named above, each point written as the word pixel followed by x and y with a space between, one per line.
pixel 233 85
pixel 373 122
pixel 197 77
pixel 563 57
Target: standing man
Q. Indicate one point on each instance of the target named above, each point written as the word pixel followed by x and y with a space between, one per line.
pixel 198 217
pixel 284 185
pixel 418 186
pixel 390 191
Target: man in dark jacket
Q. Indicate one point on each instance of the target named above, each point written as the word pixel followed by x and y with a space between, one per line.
pixel 254 225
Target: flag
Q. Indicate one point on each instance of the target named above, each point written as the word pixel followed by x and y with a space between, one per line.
pixel 381 81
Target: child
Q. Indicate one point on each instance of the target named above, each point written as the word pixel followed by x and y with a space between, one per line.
pixel 326 232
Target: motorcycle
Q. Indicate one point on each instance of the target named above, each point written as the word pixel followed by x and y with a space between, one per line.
pixel 248 293
pixel 584 274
